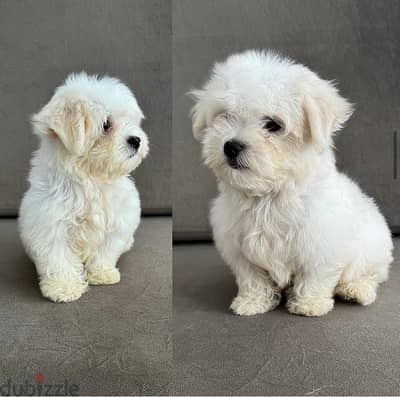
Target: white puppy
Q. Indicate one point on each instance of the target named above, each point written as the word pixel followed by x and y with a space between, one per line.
pixel 285 217
pixel 81 210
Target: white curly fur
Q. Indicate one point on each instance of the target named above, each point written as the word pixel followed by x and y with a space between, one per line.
pixel 287 219
pixel 82 209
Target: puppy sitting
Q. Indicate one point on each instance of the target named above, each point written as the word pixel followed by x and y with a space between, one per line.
pixel 81 210
pixel 284 215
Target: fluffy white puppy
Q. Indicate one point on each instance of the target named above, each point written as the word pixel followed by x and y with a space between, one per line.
pixel 285 217
pixel 82 209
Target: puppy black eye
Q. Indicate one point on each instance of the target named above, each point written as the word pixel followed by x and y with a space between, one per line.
pixel 107 126
pixel 271 125
pixel 224 116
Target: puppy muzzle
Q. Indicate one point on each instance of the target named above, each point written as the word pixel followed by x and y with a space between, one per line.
pixel 232 151
pixel 134 144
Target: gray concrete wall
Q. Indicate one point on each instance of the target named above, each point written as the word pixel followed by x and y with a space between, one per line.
pixel 41 41
pixel 354 42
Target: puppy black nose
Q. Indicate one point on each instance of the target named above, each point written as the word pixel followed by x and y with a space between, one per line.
pixel 134 141
pixel 232 148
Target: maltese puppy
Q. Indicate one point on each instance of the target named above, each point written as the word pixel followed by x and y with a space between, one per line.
pixel 285 218
pixel 82 209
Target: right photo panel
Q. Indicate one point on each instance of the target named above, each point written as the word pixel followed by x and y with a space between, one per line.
pixel 286 197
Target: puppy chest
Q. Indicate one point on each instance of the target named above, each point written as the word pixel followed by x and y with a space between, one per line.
pixel 266 242
pixel 89 231
pixel 264 235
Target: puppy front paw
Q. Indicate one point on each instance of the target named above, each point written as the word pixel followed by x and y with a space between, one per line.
pixel 103 275
pixel 62 290
pixel 310 307
pixel 249 305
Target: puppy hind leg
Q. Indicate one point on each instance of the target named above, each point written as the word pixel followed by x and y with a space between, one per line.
pixel 129 244
pixel 361 289
pixel 257 293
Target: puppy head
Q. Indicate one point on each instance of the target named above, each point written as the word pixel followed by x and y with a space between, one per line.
pixel 261 118
pixel 94 123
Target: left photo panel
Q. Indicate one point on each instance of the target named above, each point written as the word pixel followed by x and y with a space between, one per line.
pixel 85 201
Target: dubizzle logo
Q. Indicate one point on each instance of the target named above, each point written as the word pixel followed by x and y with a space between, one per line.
pixel 39 388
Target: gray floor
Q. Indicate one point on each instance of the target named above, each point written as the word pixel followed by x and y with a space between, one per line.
pixel 114 340
pixel 352 351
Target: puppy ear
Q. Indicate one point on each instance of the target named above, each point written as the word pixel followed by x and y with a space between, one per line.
pixel 325 111
pixel 66 119
pixel 204 112
pixel 198 114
